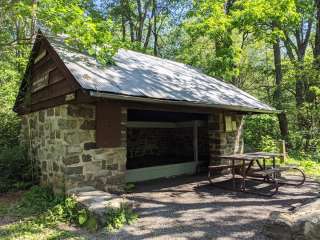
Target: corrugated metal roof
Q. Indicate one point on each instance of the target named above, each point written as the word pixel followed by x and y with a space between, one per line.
pixel 141 75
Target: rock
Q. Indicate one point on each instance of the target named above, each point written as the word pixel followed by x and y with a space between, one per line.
pixel 71 160
pixel 86 158
pixel 89 145
pixel 67 124
pixel 301 224
pixel 98 202
pixel 80 111
pixel 74 149
pixel 88 125
pixel 74 170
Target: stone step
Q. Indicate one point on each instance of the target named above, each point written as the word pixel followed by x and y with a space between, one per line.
pixel 97 202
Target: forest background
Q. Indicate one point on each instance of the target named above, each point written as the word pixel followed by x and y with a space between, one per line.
pixel 269 48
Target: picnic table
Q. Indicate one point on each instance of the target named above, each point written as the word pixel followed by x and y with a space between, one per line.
pixel 245 162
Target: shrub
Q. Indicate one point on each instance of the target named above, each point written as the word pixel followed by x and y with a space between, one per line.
pixel 9 129
pixel 50 208
pixel 117 217
pixel 37 200
pixel 15 169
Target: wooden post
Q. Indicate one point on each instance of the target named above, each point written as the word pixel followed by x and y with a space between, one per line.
pixel 282 148
pixel 195 142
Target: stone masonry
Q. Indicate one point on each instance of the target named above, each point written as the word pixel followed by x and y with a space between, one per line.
pixel 61 140
pixel 222 142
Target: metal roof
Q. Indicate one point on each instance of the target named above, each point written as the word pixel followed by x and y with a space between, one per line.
pixel 147 77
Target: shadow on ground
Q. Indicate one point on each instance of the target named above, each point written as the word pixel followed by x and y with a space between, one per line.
pixel 190 208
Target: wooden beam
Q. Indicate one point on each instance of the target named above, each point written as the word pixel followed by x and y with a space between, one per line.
pixel 189 124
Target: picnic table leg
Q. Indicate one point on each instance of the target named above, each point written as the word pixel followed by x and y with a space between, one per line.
pixel 233 175
pixel 244 171
pixel 274 165
pixel 274 162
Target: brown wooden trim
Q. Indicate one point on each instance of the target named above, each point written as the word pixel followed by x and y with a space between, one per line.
pixel 53 102
pixel 108 125
pixel 59 62
pixel 54 90
pixel 41 62
pixel 55 76
pixel 172 108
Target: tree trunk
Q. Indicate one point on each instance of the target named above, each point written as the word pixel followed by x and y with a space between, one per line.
pixel 123 28
pixel 33 29
pixel 127 9
pixel 277 96
pixel 146 42
pixel 140 22
pixel 155 33
pixel 123 21
pixel 316 50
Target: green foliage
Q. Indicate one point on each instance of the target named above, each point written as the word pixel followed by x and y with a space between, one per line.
pixel 42 212
pixel 117 217
pixel 261 132
pixel 15 169
pixel 268 144
pixel 129 187
pixel 38 200
pixel 82 30
pixel 82 216
pixel 210 28
pixel 308 163
pixel 91 224
pixel 266 18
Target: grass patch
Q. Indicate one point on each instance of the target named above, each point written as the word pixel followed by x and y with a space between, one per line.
pixel 310 167
pixel 40 213
pixel 28 230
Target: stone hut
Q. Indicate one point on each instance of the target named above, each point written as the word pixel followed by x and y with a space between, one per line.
pixel 88 124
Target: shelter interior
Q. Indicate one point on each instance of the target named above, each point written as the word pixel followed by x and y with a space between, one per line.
pixel 156 138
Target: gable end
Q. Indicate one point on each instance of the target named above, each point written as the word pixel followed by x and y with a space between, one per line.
pixel 46 82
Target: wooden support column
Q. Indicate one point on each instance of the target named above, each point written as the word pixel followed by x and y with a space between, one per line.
pixel 195 142
pixel 282 148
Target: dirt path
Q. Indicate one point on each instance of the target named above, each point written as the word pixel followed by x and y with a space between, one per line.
pixel 189 208
pixel 5 201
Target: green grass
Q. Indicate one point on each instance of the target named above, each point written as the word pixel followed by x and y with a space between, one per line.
pixel 29 230
pixel 39 214
pixel 310 167
pixel 35 218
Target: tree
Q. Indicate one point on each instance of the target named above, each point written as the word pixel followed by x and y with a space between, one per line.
pixel 265 20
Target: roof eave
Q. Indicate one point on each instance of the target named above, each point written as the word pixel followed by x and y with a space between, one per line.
pixel 181 103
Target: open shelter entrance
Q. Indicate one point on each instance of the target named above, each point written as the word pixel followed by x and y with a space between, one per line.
pixel 164 144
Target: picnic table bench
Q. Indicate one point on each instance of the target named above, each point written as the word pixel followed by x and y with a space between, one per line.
pixel 244 164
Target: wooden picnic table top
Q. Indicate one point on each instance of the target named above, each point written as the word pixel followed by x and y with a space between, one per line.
pixel 250 156
pixel 267 154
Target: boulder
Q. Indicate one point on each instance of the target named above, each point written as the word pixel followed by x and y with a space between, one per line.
pixel 301 224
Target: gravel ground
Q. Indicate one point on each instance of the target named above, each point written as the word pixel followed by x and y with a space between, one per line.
pixel 189 208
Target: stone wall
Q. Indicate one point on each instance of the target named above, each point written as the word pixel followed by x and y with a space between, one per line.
pixel 63 145
pixel 222 142
pixel 61 141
